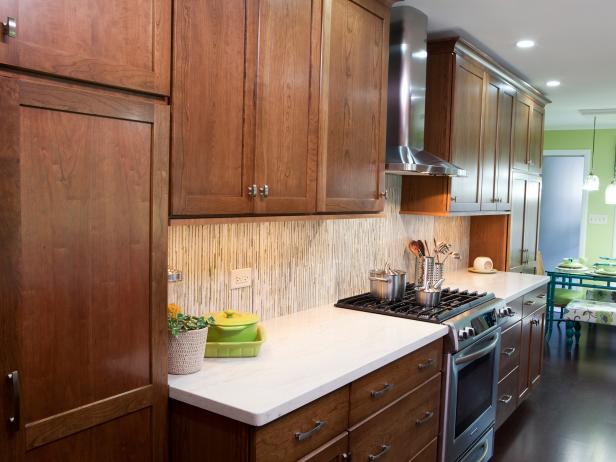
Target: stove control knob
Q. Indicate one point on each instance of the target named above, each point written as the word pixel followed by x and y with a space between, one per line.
pixel 505 312
pixel 471 331
pixel 462 334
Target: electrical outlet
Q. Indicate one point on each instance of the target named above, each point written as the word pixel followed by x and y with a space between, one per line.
pixel 594 219
pixel 241 278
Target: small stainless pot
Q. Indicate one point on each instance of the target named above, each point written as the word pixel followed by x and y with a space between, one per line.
pixel 428 297
pixel 387 285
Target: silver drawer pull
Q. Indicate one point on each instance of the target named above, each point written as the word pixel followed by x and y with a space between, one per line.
pixel 264 191
pixel 530 302
pixel 509 351
pixel 14 419
pixel 427 364
pixel 427 416
pixel 382 391
pixel 9 28
pixel 318 425
pixel 534 322
pixel 384 450
pixel 505 399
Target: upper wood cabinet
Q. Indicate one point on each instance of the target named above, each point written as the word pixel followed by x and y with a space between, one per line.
pixel 285 115
pixel 84 218
pixel 118 43
pixel 475 117
pixel 353 106
pixel 524 222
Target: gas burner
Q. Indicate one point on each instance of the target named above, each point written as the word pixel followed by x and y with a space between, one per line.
pixel 453 302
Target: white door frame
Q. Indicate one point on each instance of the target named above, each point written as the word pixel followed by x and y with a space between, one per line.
pixel 585 153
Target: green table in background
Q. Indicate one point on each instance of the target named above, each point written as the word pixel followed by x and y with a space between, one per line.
pixel 566 280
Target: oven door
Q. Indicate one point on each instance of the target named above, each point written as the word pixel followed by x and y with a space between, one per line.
pixel 471 400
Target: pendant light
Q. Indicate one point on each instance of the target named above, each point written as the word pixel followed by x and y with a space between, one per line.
pixel 591 182
pixel 610 191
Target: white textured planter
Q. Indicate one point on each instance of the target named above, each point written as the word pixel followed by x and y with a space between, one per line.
pixel 186 351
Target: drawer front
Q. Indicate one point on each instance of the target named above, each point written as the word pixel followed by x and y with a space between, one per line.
pixel 429 453
pixel 385 385
pixel 304 430
pixel 507 399
pixel 336 450
pixel 534 300
pixel 402 430
pixel 510 350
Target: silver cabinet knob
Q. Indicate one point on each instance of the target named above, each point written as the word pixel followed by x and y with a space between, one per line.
pixel 252 190
pixel 264 191
pixel 384 194
pixel 9 27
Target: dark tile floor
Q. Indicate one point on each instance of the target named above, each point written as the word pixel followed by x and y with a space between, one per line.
pixel 571 416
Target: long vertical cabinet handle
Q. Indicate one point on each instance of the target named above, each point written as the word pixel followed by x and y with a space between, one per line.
pixel 13 378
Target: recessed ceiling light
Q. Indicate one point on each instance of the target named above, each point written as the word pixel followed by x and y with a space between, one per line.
pixel 525 44
pixel 552 83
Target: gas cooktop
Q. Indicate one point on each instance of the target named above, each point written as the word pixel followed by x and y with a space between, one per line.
pixel 453 302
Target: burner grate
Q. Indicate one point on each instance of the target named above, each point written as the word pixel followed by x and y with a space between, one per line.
pixel 453 302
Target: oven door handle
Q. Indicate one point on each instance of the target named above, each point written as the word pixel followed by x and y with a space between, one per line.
pixel 477 354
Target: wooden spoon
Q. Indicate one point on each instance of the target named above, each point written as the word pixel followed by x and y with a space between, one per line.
pixel 414 248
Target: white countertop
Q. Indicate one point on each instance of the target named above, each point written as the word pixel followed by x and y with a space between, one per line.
pixel 508 286
pixel 311 353
pixel 305 356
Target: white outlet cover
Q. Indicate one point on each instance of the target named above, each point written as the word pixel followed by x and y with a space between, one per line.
pixel 595 219
pixel 241 278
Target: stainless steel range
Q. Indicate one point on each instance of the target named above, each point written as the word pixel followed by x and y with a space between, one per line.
pixel 470 364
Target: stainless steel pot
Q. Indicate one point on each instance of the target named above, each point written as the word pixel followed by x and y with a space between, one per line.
pixel 387 285
pixel 428 297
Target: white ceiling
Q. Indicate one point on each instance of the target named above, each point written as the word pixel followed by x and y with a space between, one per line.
pixel 575 43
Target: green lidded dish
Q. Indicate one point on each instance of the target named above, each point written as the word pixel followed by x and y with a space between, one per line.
pixel 236 349
pixel 233 326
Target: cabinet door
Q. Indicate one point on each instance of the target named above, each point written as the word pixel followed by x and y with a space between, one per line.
pixel 521 134
pixel 92 196
pixel 353 106
pixel 287 105
pixel 536 346
pixel 489 146
pixel 525 352
pixel 535 159
pixel 113 42
pixel 504 144
pixel 516 224
pixel 466 136
pixel 213 81
pixel 531 220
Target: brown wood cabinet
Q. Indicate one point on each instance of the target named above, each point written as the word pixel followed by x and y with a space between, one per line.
pixel 121 44
pixel 528 135
pixel 473 121
pixel 521 359
pixel 284 115
pixel 344 423
pixel 524 222
pixel 84 225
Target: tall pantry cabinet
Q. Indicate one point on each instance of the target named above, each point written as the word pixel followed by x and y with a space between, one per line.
pixel 83 229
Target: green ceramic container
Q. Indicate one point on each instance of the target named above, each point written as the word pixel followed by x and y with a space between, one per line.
pixel 233 326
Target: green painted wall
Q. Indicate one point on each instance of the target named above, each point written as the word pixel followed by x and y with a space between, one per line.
pixel 598 237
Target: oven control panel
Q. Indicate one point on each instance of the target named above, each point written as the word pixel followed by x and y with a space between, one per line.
pixel 473 324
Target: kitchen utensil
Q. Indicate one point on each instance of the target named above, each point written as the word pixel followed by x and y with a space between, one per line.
pixel 455 255
pixel 483 264
pixel 422 248
pixel 428 297
pixel 427 247
pixel 236 349
pixel 427 272
pixel 436 254
pixel 387 285
pixel 233 326
pixel 414 248
pixel 439 283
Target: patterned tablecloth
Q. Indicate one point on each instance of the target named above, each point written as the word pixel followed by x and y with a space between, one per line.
pixel 596 312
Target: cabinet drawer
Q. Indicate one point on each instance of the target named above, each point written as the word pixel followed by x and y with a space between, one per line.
pixel 304 430
pixel 385 385
pixel 401 430
pixel 534 300
pixel 429 453
pixel 516 316
pixel 507 399
pixel 336 450
pixel 510 350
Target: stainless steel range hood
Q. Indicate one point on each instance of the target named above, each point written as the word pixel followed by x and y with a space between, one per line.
pixel 406 100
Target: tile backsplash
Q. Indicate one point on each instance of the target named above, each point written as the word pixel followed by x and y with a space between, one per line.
pixel 300 264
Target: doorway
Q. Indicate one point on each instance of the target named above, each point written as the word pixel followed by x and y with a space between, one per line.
pixel 564 206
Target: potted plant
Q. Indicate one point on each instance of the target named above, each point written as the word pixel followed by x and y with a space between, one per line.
pixel 187 337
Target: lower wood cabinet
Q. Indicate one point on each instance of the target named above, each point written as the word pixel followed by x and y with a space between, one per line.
pixel 521 359
pixel 401 427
